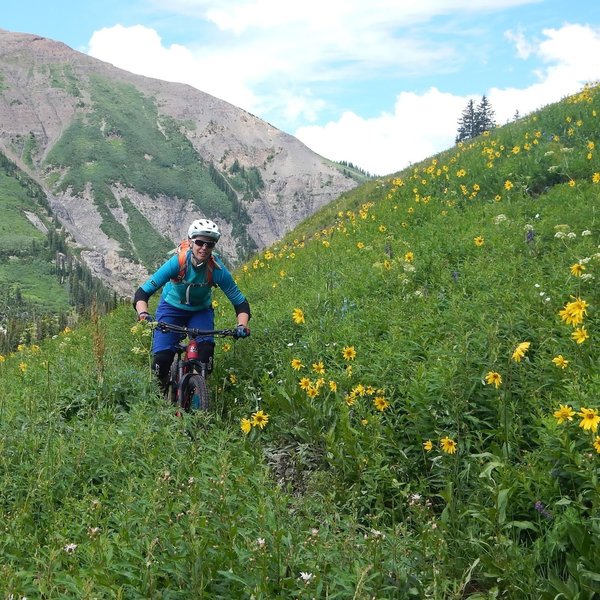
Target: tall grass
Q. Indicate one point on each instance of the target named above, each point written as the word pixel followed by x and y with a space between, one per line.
pixel 414 415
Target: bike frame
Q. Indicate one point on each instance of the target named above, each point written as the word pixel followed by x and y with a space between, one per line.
pixel 183 367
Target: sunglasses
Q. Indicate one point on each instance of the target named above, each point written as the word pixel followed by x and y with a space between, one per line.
pixel 202 243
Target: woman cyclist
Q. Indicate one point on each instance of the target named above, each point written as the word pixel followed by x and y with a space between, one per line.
pixel 186 300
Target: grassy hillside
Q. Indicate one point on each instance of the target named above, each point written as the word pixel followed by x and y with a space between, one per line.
pixel 425 352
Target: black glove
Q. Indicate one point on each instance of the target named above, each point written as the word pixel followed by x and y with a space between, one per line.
pixel 241 331
pixel 145 316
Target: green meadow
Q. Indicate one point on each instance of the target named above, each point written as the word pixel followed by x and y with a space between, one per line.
pixel 415 415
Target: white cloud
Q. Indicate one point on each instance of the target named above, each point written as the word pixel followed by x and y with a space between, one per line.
pixel 425 124
pixel 140 50
pixel 277 60
pixel 419 126
pixel 523 47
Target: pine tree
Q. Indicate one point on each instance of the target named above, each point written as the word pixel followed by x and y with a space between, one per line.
pixel 475 120
pixel 484 116
pixel 466 123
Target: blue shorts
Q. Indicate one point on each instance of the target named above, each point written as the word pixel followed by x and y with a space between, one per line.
pixel 201 319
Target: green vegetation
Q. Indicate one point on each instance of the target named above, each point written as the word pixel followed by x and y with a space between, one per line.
pixel 150 247
pixel 123 140
pixel 351 170
pixel 420 397
pixel 63 77
pixel 41 282
pixel 248 182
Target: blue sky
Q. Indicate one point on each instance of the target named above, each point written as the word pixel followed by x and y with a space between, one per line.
pixel 379 83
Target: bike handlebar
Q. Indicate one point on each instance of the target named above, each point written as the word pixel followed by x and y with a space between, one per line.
pixel 192 331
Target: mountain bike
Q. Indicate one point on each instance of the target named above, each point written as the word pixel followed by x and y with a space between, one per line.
pixel 187 387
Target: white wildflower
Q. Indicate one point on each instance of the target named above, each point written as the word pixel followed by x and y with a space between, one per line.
pixel 559 235
pixel 306 577
pixel 571 235
pixel 586 232
pixel 70 548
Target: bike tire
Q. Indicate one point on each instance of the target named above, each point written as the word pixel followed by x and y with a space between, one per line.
pixel 195 396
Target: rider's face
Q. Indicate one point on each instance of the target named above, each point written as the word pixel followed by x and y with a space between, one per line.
pixel 202 251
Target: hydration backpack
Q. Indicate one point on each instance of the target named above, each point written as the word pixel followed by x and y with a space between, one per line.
pixel 182 252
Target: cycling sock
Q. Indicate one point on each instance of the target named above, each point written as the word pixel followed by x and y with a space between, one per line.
pixel 206 351
pixel 161 365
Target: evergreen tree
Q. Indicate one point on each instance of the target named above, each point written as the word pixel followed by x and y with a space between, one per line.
pixel 466 123
pixel 475 120
pixel 484 116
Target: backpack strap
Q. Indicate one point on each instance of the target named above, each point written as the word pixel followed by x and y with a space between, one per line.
pixel 182 254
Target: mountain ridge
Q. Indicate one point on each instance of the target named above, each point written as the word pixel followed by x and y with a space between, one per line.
pixel 48 90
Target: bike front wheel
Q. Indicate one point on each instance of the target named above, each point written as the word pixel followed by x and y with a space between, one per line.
pixel 195 395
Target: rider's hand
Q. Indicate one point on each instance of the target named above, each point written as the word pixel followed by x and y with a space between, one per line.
pixel 241 331
pixel 145 316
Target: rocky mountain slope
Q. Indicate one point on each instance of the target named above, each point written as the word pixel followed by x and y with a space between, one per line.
pixel 128 161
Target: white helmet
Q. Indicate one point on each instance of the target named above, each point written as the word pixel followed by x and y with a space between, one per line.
pixel 204 227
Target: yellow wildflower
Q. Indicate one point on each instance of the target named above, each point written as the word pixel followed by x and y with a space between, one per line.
pixel 492 377
pixel 564 413
pixel 428 445
pixel 597 444
pixel 589 419
pixel 577 269
pixel 260 419
pixel 560 361
pixel 573 312
pixel 350 399
pixel 298 316
pixel 312 391
pixel 479 241
pixel 448 445
pixel 380 403
pixel 246 425
pixel 349 353
pixel 318 367
pixel 297 364
pixel 304 383
pixel 520 351
pixel 580 335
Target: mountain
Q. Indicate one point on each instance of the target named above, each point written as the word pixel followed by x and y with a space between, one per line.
pixel 127 162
